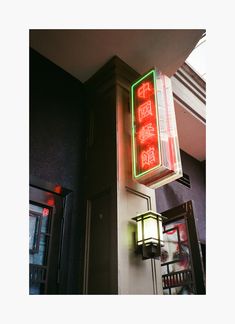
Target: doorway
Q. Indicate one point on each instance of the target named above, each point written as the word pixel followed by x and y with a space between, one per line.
pixel 181 258
pixel 48 217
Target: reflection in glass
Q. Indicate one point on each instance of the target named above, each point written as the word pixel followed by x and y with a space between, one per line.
pixel 32 231
pixel 38 247
pixel 175 258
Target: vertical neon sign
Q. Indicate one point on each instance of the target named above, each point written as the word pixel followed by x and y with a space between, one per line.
pixel 155 149
pixel 145 129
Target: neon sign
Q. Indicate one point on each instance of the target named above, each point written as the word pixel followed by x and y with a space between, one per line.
pixel 155 149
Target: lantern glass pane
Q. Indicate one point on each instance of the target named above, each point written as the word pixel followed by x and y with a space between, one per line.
pixel 150 229
pixel 161 231
pixel 139 232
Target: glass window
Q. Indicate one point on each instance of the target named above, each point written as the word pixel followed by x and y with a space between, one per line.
pixel 39 235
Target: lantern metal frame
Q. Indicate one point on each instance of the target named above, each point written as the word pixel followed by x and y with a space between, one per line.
pixel 149 247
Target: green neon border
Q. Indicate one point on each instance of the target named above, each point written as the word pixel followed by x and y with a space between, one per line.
pixel 133 128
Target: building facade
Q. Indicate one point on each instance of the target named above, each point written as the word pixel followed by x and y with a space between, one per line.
pixel 83 197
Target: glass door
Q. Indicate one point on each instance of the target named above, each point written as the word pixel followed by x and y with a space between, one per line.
pixel 181 257
pixel 46 224
pixel 176 260
pixel 39 240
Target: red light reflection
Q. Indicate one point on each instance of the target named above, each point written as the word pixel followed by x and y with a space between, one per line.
pixel 50 202
pixel 58 189
pixel 45 212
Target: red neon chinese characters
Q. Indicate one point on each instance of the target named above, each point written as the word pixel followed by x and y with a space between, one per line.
pixel 154 145
pixel 145 110
pixel 146 132
pixel 148 157
pixel 144 90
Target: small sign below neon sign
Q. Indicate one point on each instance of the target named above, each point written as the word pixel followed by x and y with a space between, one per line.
pixel 155 149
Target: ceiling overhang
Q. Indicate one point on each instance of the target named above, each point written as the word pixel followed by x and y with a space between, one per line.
pixel 82 52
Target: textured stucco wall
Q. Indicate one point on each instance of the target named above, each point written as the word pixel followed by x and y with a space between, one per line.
pixel 57 144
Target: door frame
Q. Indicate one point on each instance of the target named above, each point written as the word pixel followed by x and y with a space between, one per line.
pixel 57 278
pixel 185 211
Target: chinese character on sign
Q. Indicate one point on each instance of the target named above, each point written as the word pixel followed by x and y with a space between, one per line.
pixel 144 125
pixel 145 110
pixel 144 90
pixel 148 157
pixel 155 149
pixel 146 132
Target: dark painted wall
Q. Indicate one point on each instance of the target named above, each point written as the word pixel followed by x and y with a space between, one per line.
pixel 175 193
pixel 57 127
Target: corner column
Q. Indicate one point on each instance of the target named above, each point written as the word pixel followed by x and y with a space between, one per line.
pixel 134 274
pixel 113 198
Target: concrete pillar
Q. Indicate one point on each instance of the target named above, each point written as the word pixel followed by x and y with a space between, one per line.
pixel 113 198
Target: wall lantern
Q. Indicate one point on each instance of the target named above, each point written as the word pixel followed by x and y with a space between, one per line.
pixel 155 148
pixel 149 234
